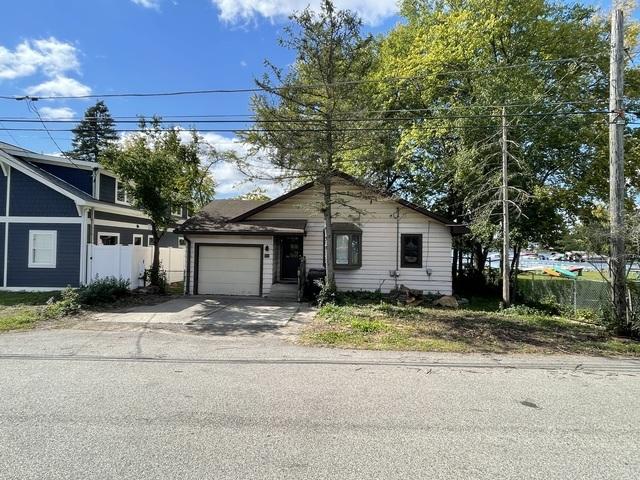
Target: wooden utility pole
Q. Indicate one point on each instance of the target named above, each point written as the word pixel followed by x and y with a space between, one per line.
pixel 506 300
pixel 617 264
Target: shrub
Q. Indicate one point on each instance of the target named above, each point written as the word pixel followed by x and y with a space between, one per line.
pixel 327 295
pixel 157 277
pixel 103 290
pixel 68 304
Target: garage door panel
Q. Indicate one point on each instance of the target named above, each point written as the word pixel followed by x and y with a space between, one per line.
pixel 229 270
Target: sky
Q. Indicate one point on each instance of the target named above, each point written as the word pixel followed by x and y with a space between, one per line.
pixel 79 47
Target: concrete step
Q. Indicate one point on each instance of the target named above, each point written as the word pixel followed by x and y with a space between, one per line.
pixel 283 291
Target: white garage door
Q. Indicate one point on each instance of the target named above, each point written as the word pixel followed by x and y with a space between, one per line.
pixel 229 270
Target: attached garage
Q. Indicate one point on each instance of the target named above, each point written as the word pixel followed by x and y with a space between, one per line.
pixel 228 269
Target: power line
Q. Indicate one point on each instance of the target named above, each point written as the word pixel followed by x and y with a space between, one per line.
pixel 318 121
pixel 297 87
pixel 34 109
pixel 169 117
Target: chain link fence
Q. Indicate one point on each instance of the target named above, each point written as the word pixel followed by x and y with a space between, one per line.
pixel 580 294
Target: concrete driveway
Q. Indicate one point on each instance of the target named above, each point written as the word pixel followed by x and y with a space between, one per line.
pixel 216 315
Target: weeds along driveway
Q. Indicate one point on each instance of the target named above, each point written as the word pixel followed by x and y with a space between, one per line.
pixel 214 315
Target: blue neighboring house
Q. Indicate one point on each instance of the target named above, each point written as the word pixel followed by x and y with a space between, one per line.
pixel 52 209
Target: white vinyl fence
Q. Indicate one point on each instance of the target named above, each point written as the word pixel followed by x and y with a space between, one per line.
pixel 129 262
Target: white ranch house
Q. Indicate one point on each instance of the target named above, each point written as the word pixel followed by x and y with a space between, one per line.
pixel 240 247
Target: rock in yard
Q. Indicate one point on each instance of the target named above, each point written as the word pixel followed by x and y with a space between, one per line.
pixel 447 301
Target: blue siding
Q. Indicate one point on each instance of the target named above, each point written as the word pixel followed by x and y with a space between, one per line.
pixel 1 253
pixel 107 188
pixel 82 179
pixel 30 198
pixel 169 239
pixel 67 271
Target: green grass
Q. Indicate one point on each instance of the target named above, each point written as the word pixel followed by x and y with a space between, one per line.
pixel 383 326
pixel 590 276
pixel 26 298
pixel 176 288
pixel 22 310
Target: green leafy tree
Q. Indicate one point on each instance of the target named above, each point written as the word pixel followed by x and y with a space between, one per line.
pixel 257 194
pixel 160 171
pixel 94 134
pixel 442 76
pixel 305 120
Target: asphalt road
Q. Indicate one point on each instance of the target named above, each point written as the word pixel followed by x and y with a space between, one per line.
pixel 138 404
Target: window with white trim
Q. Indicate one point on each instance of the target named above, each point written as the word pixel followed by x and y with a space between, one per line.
pixel 137 239
pixel 108 238
pixel 182 243
pixel 150 240
pixel 42 248
pixel 176 211
pixel 122 196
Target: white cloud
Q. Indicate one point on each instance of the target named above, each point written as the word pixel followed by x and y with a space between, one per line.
pixel 243 63
pixel 233 11
pixel 154 4
pixel 48 55
pixel 230 181
pixel 59 113
pixel 60 85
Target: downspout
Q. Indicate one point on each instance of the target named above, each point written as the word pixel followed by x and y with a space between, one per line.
pixel 90 244
pixel 187 278
pixel 397 272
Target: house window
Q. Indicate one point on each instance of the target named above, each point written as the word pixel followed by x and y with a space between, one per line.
pixel 150 241
pixel 42 248
pixel 176 211
pixel 122 196
pixel 347 246
pixel 411 250
pixel 108 238
pixel 182 243
pixel 137 240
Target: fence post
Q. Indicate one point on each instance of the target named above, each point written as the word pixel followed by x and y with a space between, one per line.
pixel 575 297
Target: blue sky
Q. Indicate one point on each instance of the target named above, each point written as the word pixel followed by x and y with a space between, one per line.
pixel 74 47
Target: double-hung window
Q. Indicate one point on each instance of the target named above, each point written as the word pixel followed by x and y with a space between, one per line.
pixel 42 248
pixel 347 246
pixel 122 196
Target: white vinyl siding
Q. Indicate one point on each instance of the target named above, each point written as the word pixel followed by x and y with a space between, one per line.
pixel 42 248
pixel 229 270
pixel 267 251
pixel 376 219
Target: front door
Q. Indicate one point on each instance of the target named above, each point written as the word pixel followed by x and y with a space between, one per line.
pixel 290 257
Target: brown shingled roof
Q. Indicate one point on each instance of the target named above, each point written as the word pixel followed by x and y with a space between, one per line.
pixel 215 216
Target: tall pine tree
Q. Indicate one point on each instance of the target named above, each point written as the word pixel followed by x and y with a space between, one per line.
pixel 94 134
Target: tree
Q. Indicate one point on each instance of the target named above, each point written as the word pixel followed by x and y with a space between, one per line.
pixel 162 171
pixel 455 62
pixel 305 119
pixel 94 134
pixel 257 194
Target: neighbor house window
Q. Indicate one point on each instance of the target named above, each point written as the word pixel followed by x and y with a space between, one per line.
pixel 411 250
pixel 176 211
pixel 121 193
pixel 347 246
pixel 137 240
pixel 108 238
pixel 182 243
pixel 150 240
pixel 42 248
